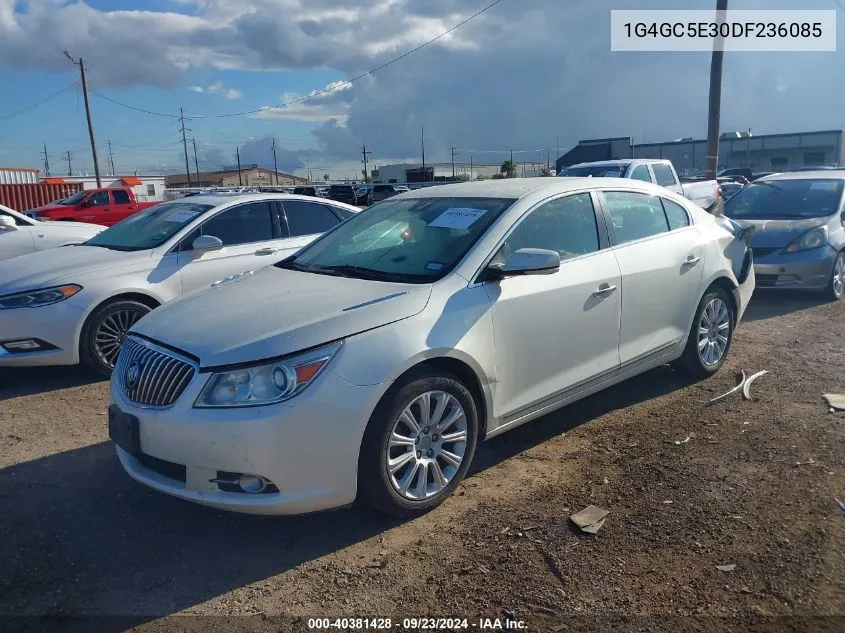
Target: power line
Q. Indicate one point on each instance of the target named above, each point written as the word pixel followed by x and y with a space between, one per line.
pixel 318 93
pixel 35 105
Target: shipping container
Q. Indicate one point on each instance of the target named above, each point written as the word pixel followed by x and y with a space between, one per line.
pixel 24 197
pixel 18 176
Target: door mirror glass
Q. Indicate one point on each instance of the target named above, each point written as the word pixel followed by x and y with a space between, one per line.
pixel 206 244
pixel 7 223
pixel 527 261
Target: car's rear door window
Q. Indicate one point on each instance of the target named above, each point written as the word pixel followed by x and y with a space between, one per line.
pixel 675 214
pixel 120 196
pixel 243 224
pixel 640 172
pixel 635 215
pixel 663 174
pixel 307 218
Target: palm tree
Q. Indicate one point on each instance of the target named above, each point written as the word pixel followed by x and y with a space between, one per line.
pixel 509 169
pixel 326 177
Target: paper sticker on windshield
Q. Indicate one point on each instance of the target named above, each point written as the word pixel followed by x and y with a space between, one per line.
pixel 824 186
pixel 434 266
pixel 183 216
pixel 457 218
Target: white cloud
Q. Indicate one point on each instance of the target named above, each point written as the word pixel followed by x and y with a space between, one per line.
pixel 326 104
pixel 198 89
pixel 216 87
pixel 231 93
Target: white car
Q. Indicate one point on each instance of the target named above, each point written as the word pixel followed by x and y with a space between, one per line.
pixel 20 235
pixel 372 362
pixel 76 303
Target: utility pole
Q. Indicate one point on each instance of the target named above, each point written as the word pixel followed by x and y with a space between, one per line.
pixel 111 158
pixel 196 161
pixel 511 156
pixel 238 154
pixel 715 101
pixel 275 165
pixel 548 160
pixel 470 167
pixel 81 64
pixel 185 146
pixel 422 145
pixel 69 169
pixel 748 149
pixel 453 152
pixel 46 162
pixel 365 154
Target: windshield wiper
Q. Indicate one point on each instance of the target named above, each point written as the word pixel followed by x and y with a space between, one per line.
pixel 361 272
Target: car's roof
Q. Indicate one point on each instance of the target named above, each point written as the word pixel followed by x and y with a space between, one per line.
pixel 829 174
pixel 621 161
pixel 217 200
pixel 519 187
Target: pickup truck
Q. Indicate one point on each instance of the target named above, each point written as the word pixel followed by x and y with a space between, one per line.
pixel 96 206
pixel 705 193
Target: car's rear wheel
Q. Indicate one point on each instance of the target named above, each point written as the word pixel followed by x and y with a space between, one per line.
pixel 710 336
pixel 104 331
pixel 836 287
pixel 418 444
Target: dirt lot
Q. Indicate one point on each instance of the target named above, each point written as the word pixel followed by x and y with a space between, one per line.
pixel 753 487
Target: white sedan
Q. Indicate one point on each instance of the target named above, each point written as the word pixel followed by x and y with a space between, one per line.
pixel 371 363
pixel 20 235
pixel 76 303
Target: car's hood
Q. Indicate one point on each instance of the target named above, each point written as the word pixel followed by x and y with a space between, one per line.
pixel 67 264
pixel 275 312
pixel 49 207
pixel 778 233
pixel 79 227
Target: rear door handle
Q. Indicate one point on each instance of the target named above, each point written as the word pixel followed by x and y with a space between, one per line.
pixel 266 251
pixel 692 260
pixel 604 290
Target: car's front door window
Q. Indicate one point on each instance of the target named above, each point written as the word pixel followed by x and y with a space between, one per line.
pixel 565 225
pixel 99 199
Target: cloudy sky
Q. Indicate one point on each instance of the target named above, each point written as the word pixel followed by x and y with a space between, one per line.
pixel 525 75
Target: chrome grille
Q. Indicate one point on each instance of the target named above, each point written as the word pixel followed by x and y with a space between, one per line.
pixel 157 377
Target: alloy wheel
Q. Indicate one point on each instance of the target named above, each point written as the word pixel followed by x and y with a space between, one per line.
pixel 713 331
pixel 838 281
pixel 427 445
pixel 109 336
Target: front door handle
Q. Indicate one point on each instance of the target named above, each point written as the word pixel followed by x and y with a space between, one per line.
pixel 604 290
pixel 692 260
pixel 266 251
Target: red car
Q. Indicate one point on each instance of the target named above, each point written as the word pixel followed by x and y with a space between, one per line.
pixel 96 206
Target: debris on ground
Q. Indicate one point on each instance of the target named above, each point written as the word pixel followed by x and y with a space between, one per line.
pixel 732 391
pixel 726 568
pixel 841 505
pixel 590 519
pixel 835 401
pixel 683 441
pixel 746 388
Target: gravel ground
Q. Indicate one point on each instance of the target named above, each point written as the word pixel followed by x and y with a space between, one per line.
pixel 750 484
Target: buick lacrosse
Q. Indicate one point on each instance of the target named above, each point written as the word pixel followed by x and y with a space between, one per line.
pixel 371 363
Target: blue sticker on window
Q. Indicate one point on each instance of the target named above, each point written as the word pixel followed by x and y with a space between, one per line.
pixel 433 266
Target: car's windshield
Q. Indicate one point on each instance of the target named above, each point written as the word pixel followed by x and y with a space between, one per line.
pixel 800 198
pixel 597 171
pixel 341 188
pixel 149 228
pixel 413 241
pixel 75 198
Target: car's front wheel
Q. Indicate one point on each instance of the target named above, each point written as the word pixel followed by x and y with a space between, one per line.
pixel 418 444
pixel 710 336
pixel 104 331
pixel 836 287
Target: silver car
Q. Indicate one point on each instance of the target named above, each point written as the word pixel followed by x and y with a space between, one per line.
pixel 799 229
pixel 371 363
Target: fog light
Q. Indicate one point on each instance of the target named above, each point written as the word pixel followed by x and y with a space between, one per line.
pixel 251 483
pixel 21 345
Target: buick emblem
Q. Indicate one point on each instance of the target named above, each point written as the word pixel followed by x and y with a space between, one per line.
pixel 133 372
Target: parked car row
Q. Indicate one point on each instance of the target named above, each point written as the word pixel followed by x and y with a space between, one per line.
pixel 279 354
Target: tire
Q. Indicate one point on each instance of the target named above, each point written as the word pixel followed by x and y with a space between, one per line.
pixel 836 286
pixel 696 363
pixel 379 488
pixel 109 321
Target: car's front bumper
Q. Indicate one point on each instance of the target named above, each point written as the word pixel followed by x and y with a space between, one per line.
pixel 307 447
pixel 806 270
pixel 58 324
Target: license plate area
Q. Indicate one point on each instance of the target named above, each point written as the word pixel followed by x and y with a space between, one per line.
pixel 124 430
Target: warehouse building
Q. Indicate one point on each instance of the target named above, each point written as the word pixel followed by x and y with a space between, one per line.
pixel 767 152
pixel 435 172
pixel 249 176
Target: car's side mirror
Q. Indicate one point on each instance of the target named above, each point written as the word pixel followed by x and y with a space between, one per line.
pixel 525 261
pixel 7 223
pixel 206 244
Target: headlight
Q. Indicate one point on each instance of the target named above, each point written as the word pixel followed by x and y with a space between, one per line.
pixel 266 383
pixel 36 298
pixel 811 239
